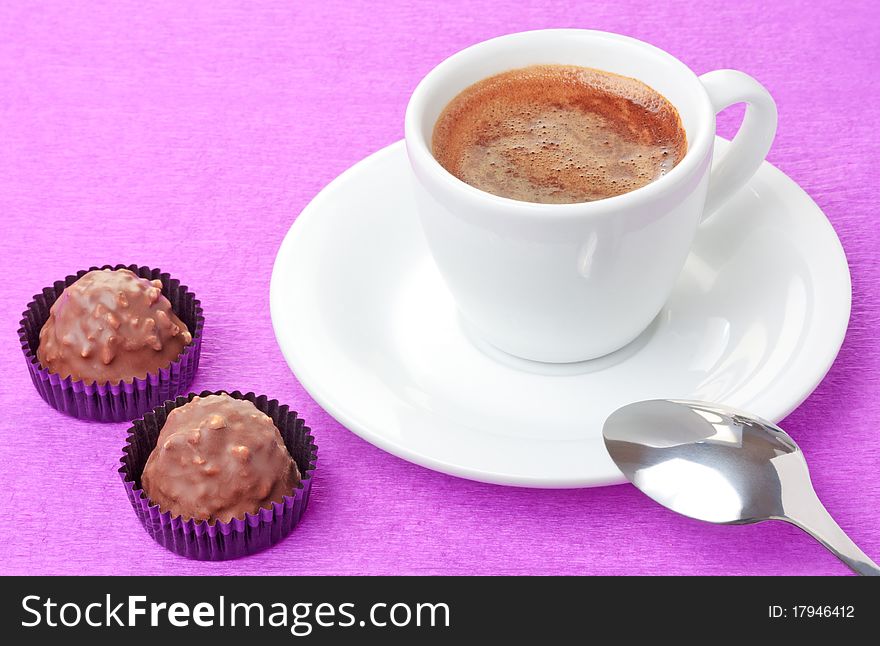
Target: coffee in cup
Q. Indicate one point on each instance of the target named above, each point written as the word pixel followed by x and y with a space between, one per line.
pixel 557 134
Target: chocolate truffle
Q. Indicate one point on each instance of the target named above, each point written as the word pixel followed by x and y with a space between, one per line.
pixel 216 459
pixel 111 326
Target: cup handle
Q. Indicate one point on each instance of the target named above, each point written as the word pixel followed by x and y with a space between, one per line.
pixel 752 141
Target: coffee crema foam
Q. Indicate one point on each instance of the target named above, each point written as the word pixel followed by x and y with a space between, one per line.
pixel 558 134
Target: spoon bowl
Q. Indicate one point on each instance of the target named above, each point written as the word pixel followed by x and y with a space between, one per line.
pixel 721 465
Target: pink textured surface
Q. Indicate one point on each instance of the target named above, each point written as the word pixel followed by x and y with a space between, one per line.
pixel 189 137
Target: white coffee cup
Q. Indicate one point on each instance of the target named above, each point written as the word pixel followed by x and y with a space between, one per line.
pixel 570 282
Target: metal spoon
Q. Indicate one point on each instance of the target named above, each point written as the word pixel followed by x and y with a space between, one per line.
pixel 717 464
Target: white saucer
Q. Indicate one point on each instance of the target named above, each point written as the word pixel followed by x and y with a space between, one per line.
pixel 368 327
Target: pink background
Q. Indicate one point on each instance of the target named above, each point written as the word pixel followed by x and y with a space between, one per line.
pixel 189 137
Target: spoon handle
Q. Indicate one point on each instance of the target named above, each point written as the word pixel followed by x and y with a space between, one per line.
pixel 812 517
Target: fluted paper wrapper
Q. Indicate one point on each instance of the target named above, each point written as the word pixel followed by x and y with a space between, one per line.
pixel 122 401
pixel 219 541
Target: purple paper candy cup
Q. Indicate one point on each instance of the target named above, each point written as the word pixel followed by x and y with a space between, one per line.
pixel 219 541
pixel 122 401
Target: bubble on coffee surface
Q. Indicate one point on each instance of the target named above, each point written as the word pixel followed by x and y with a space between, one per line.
pixel 559 134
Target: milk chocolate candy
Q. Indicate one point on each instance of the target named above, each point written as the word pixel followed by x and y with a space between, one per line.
pixel 117 341
pixel 278 496
pixel 111 326
pixel 218 458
